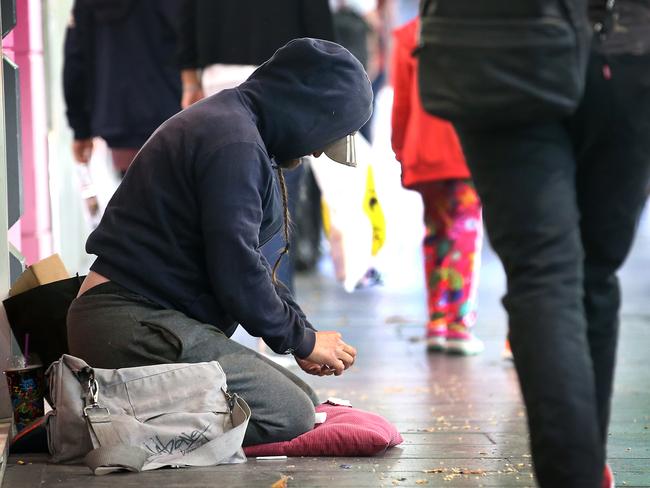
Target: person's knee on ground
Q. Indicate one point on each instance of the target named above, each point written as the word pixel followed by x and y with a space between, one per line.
pixel 292 418
pixel 281 404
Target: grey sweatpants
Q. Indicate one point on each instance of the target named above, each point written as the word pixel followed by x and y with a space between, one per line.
pixel 110 327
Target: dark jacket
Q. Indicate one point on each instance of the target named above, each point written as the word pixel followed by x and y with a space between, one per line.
pixel 120 75
pixel 247 31
pixel 185 226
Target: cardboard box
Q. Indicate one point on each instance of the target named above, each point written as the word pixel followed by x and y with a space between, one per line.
pixel 45 271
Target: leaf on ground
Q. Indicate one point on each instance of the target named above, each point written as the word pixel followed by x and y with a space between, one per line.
pixel 281 483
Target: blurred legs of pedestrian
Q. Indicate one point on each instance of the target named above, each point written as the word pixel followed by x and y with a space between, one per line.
pixel 307 220
pixel 561 201
pixel 452 249
pixel 122 158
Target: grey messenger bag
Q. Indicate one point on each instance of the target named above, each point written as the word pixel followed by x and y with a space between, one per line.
pixel 143 418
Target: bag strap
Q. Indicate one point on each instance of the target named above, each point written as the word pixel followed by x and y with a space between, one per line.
pixel 105 460
pixel 110 453
pixel 223 447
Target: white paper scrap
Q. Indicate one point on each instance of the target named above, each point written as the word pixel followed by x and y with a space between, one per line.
pixel 339 401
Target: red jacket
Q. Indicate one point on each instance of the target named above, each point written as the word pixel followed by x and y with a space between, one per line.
pixel 427 146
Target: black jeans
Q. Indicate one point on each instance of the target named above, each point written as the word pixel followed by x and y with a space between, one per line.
pixel 561 202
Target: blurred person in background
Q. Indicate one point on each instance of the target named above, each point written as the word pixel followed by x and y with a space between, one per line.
pixel 222 42
pixel 360 26
pixel 355 27
pixel 120 76
pixel 561 198
pixel 433 165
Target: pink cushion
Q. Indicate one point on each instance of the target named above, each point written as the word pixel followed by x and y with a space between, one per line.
pixel 346 432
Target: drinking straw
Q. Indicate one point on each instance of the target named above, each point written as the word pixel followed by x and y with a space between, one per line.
pixel 26 348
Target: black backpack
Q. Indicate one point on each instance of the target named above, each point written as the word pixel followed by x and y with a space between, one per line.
pixel 497 62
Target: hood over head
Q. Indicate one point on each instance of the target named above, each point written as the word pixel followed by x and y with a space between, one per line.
pixel 307 96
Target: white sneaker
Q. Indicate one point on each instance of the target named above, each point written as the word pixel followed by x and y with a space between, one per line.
pixel 436 343
pixel 436 336
pixel 464 346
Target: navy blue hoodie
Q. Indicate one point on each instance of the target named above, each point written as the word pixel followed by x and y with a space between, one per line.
pixel 120 77
pixel 185 226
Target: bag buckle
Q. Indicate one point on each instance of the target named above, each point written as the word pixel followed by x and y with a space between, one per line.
pixel 94 411
pixel 231 398
pixel 93 389
pixel 92 397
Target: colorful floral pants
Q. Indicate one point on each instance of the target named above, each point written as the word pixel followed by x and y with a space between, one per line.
pixel 452 250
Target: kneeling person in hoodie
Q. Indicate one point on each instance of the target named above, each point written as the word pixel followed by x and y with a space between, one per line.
pixel 178 263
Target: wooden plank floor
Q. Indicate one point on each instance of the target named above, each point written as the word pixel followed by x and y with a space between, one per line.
pixel 461 418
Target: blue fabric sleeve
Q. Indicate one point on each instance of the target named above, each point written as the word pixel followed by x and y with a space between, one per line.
pixel 232 184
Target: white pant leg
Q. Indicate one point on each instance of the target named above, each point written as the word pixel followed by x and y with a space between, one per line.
pixel 217 77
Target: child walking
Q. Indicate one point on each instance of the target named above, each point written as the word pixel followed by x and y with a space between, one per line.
pixel 433 164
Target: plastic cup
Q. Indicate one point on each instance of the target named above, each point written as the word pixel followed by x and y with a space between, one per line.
pixel 26 389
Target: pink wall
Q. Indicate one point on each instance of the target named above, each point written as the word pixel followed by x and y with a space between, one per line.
pixel 33 233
